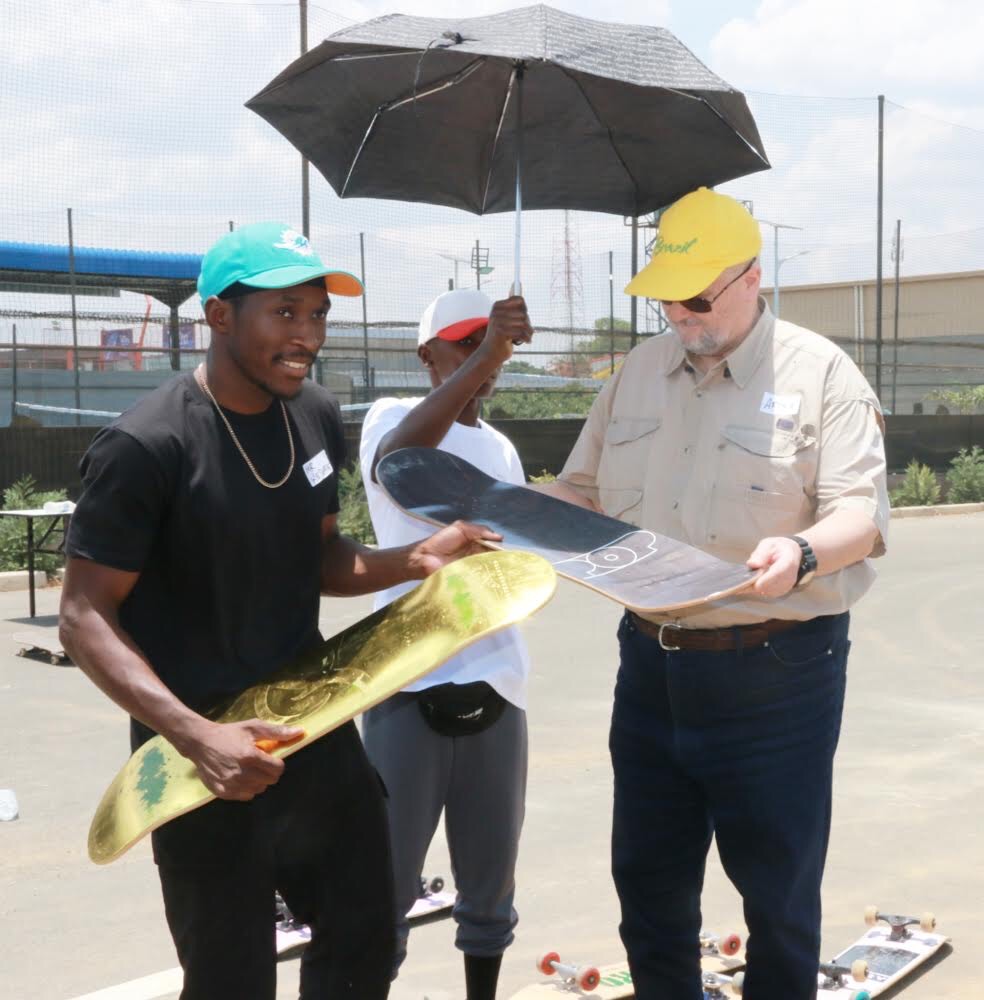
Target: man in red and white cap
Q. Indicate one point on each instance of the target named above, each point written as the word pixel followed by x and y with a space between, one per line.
pixel 456 740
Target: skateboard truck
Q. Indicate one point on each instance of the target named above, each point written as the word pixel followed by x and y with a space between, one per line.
pixel 285 919
pixel 835 977
pixel 715 945
pixel 900 924
pixel 430 884
pixel 714 985
pixel 583 977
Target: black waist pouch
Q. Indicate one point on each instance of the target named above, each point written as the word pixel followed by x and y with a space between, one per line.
pixel 461 709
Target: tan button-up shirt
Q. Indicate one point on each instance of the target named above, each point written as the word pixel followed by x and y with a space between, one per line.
pixel 781 434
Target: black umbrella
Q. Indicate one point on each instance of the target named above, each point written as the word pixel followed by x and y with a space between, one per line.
pixel 533 107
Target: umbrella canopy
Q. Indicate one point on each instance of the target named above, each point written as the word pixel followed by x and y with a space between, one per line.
pixel 601 117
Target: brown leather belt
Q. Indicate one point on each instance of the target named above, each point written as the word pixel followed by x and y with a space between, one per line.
pixel 673 637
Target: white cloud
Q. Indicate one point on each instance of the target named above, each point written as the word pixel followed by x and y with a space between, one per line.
pixel 847 47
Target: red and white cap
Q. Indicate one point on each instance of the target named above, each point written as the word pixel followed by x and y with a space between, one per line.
pixel 455 315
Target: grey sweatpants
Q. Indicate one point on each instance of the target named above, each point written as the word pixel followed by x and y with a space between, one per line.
pixel 480 783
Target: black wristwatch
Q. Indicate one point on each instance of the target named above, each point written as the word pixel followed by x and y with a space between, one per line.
pixel 808 562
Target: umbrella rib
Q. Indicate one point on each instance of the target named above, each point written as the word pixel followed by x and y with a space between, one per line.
pixel 587 101
pixel 495 140
pixel 458 77
pixel 451 81
pixel 707 104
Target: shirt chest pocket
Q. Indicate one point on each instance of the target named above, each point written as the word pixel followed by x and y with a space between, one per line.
pixel 768 466
pixel 622 470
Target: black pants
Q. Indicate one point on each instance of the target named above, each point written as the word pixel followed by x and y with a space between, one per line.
pixel 319 836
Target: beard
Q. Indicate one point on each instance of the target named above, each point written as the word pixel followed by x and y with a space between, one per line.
pixel 700 341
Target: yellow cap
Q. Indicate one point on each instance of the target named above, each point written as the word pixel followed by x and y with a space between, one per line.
pixel 700 236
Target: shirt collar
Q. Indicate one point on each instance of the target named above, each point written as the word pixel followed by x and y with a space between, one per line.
pixel 747 356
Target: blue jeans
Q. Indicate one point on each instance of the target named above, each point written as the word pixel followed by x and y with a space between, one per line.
pixel 738 745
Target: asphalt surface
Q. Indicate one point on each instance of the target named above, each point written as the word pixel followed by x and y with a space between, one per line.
pixel 908 808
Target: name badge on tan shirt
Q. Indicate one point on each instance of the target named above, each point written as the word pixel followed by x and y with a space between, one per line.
pixel 780 406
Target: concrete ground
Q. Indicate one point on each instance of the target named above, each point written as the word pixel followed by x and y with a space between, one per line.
pixel 908 812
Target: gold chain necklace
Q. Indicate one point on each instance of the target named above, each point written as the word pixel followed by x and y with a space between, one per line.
pixel 200 378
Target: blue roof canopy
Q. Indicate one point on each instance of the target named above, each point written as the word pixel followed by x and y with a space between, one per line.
pixel 168 277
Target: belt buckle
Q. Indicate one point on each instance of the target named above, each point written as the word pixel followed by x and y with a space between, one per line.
pixel 659 637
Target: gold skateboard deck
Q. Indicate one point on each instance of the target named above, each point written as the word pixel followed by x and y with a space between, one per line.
pixel 348 674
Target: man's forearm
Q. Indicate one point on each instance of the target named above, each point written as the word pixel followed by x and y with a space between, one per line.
pixel 841 539
pixel 349 568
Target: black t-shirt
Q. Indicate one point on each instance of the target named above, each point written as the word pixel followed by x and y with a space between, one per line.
pixel 229 569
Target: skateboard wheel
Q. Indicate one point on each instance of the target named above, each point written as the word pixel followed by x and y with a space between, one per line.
pixel 588 978
pixel 738 983
pixel 871 915
pixel 436 884
pixel 859 970
pixel 862 995
pixel 730 945
pixel 927 922
pixel 545 963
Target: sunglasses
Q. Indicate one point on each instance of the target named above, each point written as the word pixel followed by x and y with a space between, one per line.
pixel 698 304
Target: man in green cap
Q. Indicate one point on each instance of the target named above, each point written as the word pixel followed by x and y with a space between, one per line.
pixel 758 442
pixel 205 534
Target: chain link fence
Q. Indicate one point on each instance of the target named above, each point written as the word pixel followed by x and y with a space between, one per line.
pixel 136 124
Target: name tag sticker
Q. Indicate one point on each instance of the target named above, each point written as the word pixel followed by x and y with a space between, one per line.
pixel 781 406
pixel 318 468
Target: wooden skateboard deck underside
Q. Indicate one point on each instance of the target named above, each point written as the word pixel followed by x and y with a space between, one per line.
pixel 639 569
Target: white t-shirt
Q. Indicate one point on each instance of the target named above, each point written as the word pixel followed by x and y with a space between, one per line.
pixel 500 660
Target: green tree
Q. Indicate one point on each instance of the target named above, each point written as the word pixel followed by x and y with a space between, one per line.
pixel 967 399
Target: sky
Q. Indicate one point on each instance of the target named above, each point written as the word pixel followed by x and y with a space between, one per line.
pixel 133 115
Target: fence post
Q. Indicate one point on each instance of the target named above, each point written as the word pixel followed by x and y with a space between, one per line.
pixel 878 251
pixel 365 316
pixel 611 311
pixel 75 325
pixel 13 374
pixel 633 300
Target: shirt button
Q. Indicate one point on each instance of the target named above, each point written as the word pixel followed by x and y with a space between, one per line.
pixel 676 503
pixel 712 537
pixel 700 395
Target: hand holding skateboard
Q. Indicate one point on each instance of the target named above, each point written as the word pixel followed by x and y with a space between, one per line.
pixel 235 759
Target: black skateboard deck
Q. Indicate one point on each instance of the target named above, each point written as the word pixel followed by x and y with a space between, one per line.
pixel 640 569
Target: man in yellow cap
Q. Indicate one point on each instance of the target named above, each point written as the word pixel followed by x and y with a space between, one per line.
pixel 759 442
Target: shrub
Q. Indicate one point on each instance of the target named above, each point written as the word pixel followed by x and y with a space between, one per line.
pixel 25 495
pixel 920 488
pixel 965 480
pixel 353 517
pixel 544 477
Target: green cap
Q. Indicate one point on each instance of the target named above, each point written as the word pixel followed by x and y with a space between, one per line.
pixel 268 255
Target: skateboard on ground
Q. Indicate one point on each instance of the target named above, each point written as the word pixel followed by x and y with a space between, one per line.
pixel 42 644
pixel 890 951
pixel 432 903
pixel 345 676
pixel 641 570
pixel 719 964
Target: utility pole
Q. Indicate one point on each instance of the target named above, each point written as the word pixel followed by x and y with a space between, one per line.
pixel 776 262
pixel 305 167
pixel 878 246
pixel 897 257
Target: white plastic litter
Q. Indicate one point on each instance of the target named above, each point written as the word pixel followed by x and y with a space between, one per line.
pixel 8 805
